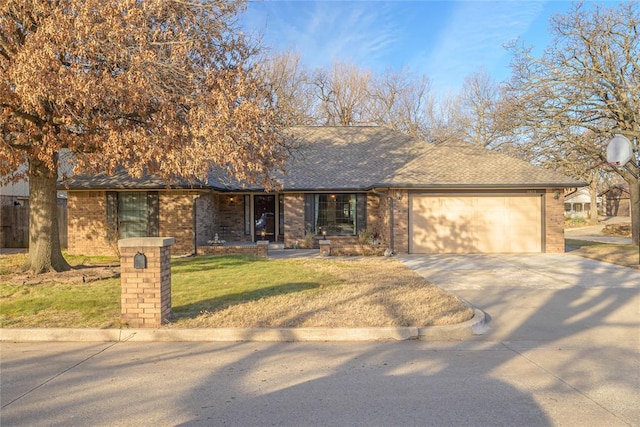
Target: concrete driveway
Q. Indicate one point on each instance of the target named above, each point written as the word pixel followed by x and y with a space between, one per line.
pixel 575 318
pixel 542 297
pixel 562 349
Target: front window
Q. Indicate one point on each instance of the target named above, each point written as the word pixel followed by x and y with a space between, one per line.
pixel 132 214
pixel 335 213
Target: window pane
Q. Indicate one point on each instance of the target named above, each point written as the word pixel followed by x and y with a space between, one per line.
pixel 567 207
pixel 336 213
pixel 132 215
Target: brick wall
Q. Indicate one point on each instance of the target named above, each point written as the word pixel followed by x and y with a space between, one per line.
pixel 260 251
pixel 293 219
pixel 87 222
pixel 176 219
pixel 145 298
pixel 229 223
pixel 87 214
pixel 206 207
pixel 554 221
pixel 401 223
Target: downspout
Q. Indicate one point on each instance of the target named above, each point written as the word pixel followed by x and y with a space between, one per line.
pixel 391 238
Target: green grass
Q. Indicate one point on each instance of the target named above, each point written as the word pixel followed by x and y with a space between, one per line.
pixel 53 305
pixel 234 291
pixel 207 284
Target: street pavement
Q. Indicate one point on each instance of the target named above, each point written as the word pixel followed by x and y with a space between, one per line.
pixel 562 347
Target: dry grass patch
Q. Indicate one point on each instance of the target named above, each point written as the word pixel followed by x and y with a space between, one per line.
pixel 625 255
pixel 361 292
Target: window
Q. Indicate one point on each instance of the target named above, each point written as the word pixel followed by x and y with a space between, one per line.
pixel 335 213
pixel 338 214
pixel 132 214
pixel 577 207
pixel 567 207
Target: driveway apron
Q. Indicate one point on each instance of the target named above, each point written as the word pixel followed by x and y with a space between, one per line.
pixel 540 297
pixel 574 318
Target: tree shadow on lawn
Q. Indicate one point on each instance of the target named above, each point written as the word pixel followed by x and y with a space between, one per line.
pixel 211 262
pixel 212 305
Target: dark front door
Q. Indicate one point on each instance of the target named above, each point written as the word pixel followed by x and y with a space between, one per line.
pixel 265 217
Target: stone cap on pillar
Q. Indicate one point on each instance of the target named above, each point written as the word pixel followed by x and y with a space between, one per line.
pixel 146 242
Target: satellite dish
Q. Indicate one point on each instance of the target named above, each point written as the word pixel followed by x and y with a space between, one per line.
pixel 619 150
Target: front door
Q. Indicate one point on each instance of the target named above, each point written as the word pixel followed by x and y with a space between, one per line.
pixel 264 217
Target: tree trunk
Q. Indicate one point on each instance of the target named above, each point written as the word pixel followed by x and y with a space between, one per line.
pixel 593 196
pixel 634 192
pixel 45 254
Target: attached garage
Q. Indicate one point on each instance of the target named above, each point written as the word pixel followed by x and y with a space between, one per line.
pixel 476 223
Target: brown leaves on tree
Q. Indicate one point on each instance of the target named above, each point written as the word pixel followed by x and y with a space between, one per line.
pixel 160 86
pixel 166 87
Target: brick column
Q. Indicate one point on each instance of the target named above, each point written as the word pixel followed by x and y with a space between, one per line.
pixel 146 284
pixel 325 247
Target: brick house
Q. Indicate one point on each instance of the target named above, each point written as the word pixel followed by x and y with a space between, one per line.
pixel 342 182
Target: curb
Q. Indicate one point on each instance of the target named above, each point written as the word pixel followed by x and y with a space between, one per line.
pixel 474 326
pixel 430 333
pixel 477 325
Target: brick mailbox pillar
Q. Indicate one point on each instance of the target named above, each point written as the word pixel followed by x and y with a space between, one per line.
pixel 145 278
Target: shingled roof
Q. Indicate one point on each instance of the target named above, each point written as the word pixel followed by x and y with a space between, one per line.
pixel 464 165
pixel 361 158
pixel 351 158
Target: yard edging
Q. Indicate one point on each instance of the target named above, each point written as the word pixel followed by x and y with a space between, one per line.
pixel 430 333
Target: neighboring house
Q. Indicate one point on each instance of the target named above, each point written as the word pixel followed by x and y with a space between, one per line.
pixel 14 197
pixel 578 203
pixel 14 214
pixel 418 197
pixel 617 201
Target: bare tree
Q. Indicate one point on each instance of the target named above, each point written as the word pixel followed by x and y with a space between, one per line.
pixel 342 92
pixel 399 100
pixel 483 111
pixel 291 88
pixel 587 80
pixel 167 87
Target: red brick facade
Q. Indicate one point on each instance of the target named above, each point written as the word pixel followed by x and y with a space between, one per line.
pixel 554 221
pixel 87 213
pixel 224 214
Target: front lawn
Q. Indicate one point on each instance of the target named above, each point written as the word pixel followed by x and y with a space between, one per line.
pixel 625 255
pixel 235 291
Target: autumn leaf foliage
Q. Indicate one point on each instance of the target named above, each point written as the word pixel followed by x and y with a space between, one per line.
pixel 165 87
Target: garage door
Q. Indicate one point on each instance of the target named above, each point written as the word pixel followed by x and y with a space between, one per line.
pixel 476 224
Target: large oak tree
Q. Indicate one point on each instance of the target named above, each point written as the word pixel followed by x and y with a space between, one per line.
pixel 166 87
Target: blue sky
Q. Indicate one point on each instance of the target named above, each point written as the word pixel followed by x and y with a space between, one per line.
pixel 445 40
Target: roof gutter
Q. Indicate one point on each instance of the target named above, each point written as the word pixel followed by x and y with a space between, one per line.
pixel 391 220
